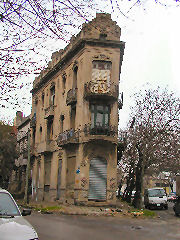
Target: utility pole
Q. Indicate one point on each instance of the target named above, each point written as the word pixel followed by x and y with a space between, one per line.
pixel 26 197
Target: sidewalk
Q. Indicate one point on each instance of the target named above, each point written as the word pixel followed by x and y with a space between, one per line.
pixel 121 209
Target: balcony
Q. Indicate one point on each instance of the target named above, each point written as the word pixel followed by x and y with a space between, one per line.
pixel 71 98
pixel 101 90
pixel 100 130
pixel 49 112
pixel 104 133
pixel 68 137
pixel 33 121
pixel 49 146
pixel 46 147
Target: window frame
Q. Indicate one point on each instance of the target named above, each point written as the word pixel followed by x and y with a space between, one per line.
pixel 94 112
pixel 53 94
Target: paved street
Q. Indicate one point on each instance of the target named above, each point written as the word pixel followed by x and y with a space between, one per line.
pixel 61 227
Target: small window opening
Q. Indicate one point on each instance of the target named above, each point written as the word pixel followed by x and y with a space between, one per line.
pixel 75 71
pixel 73 117
pixel 61 123
pixel 53 95
pixel 50 129
pixel 64 83
pixel 43 99
pixel 102 36
pixel 34 136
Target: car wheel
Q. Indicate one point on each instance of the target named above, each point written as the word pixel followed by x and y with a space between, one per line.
pixel 166 207
pixel 176 214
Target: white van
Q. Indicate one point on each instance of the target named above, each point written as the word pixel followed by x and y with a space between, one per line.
pixel 155 197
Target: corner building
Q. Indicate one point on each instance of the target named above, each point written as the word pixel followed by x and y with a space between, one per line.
pixel 74 122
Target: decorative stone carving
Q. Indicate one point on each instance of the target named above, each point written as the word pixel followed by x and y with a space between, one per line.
pixel 101 74
pixel 75 65
pixel 64 75
pixel 60 155
pixel 101 57
pixel 52 85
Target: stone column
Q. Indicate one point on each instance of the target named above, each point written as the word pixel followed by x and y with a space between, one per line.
pixel 63 176
pixel 40 178
pixel 53 178
pixel 34 185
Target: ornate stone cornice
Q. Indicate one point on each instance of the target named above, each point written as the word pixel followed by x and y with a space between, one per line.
pixel 101 57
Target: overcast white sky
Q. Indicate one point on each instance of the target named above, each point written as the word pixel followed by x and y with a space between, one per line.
pixel 152 52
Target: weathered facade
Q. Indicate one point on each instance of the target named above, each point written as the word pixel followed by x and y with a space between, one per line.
pixel 18 177
pixel 74 123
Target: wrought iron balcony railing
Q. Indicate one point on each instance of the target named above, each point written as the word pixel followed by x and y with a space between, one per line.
pixel 49 112
pixel 101 90
pixel 67 137
pixel 75 136
pixel 71 96
pixel 106 130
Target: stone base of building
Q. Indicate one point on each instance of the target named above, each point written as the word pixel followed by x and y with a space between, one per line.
pixel 40 194
pixel 81 198
pixel 52 195
pixel 75 197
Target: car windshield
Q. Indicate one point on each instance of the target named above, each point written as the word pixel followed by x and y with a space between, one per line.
pixel 7 205
pixel 156 192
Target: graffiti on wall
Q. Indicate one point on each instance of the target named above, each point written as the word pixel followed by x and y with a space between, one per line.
pixel 83 163
pixel 112 183
pixel 84 182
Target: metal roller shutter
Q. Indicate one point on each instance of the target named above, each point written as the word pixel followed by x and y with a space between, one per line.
pixel 97 179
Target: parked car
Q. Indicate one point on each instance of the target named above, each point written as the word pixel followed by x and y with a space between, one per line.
pixel 171 197
pixel 176 207
pixel 13 226
pixel 155 198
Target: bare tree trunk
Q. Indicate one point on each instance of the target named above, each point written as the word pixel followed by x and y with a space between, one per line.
pixel 130 186
pixel 137 202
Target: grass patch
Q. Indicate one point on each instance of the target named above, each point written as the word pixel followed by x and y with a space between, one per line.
pixel 48 208
pixel 142 212
pixel 149 213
